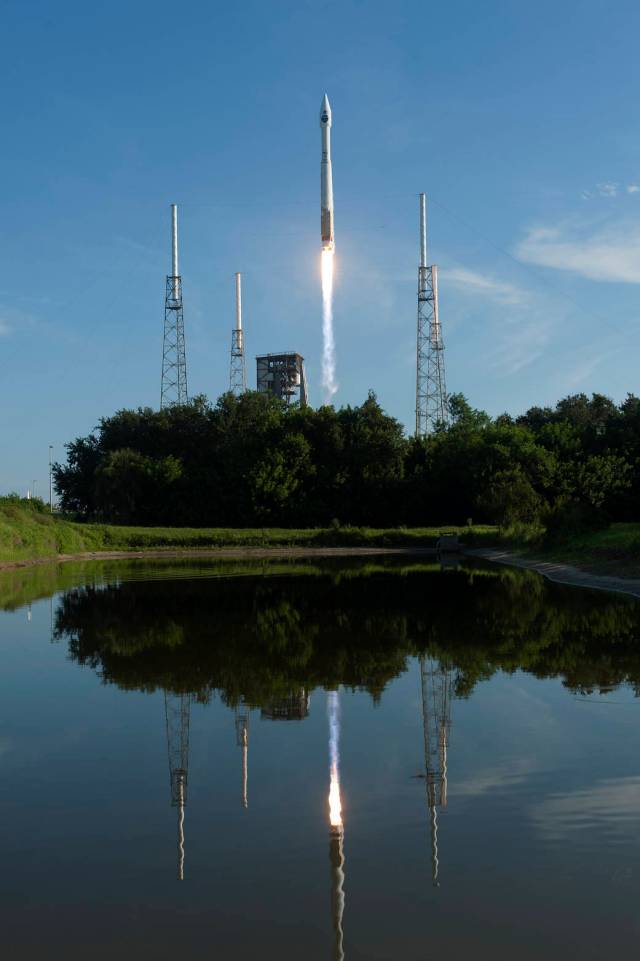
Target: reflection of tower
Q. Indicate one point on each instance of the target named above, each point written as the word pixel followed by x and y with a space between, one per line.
pixel 242 738
pixel 436 717
pixel 336 852
pixel 177 711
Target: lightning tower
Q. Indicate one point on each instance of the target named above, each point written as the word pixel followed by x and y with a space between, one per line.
pixel 177 712
pixel 436 719
pixel 173 386
pixel 237 373
pixel 431 389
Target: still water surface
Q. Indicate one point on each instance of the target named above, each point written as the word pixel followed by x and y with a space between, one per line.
pixel 172 735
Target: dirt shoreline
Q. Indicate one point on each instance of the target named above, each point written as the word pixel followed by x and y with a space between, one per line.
pixel 224 553
pixel 560 573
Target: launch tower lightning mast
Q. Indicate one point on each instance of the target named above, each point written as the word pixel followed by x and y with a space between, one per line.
pixel 237 372
pixel 431 389
pixel 436 719
pixel 178 712
pixel 173 386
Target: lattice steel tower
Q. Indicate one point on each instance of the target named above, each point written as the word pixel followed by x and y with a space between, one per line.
pixel 431 389
pixel 173 386
pixel 177 709
pixel 436 686
pixel 237 371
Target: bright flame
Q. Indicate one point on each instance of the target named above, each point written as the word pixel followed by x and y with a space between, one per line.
pixel 335 805
pixel 329 384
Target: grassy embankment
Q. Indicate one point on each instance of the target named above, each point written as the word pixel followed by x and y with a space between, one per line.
pixel 28 535
pixel 614 550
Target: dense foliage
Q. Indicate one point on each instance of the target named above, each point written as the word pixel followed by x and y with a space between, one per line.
pixel 250 461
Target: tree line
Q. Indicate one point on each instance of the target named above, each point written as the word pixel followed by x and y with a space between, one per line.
pixel 252 461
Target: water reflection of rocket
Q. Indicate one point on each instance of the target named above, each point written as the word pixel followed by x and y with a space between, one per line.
pixel 336 849
pixel 336 856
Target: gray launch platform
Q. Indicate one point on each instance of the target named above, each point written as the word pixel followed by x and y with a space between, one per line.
pixel 283 376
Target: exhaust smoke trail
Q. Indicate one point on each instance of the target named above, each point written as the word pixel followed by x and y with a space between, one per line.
pixel 329 385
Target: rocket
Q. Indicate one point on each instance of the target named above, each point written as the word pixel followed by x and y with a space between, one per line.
pixel 326 178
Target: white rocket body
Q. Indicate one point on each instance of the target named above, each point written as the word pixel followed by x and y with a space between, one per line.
pixel 326 178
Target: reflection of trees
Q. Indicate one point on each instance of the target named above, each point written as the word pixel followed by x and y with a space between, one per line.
pixel 262 637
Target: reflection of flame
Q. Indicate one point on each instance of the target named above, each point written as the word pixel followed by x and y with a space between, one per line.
pixel 335 806
pixel 328 346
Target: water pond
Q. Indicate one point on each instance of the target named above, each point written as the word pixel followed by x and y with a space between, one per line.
pixel 362 759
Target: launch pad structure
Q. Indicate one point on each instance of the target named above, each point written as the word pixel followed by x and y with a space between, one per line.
pixel 431 388
pixel 283 376
pixel 173 384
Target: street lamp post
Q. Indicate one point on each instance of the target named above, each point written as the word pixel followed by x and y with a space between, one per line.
pixel 50 482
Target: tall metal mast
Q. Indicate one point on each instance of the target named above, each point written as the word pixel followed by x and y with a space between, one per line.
pixel 436 718
pixel 237 372
pixel 177 709
pixel 431 389
pixel 173 385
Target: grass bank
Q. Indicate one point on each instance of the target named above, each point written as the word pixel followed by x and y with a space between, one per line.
pixel 614 550
pixel 31 535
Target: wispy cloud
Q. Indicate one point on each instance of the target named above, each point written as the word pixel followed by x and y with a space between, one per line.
pixel 521 321
pixel 5 329
pixel 610 253
pixel 608 806
pixel 472 282
pixel 524 340
pixel 609 189
pixel 494 779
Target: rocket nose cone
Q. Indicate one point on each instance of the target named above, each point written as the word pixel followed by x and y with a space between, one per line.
pixel 325 112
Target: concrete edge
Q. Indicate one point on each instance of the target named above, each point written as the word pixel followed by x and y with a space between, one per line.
pixel 560 573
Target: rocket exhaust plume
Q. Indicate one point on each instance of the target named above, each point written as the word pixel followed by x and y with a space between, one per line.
pixel 329 384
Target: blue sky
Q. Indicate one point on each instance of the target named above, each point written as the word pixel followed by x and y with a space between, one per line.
pixel 519 122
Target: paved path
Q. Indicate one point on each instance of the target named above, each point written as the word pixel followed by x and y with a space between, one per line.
pixel 561 573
